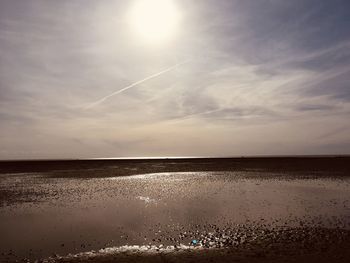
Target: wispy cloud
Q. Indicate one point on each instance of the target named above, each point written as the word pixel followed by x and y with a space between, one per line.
pixel 266 77
pixel 135 84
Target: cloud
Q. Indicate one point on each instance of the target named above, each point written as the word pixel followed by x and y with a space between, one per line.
pixel 260 73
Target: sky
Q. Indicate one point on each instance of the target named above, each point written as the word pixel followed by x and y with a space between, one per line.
pixel 236 77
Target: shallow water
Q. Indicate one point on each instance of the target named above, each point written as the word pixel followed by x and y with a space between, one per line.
pixel 41 216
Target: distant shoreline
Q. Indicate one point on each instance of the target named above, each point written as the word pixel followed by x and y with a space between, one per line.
pixel 337 165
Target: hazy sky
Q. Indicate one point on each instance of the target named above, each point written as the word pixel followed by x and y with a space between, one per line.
pixel 239 77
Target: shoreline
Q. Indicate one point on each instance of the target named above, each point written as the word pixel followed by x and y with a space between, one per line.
pixel 316 245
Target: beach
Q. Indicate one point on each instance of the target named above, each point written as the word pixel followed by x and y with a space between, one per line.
pixel 176 210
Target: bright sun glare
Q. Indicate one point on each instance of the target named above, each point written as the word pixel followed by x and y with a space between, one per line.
pixel 156 21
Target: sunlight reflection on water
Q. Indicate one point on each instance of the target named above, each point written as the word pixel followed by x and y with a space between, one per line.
pixel 87 214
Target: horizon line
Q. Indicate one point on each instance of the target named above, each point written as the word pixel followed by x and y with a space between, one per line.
pixel 181 157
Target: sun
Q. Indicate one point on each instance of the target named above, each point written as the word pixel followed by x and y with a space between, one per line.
pixel 155 21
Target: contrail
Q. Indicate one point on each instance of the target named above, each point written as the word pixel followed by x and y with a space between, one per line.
pixel 134 84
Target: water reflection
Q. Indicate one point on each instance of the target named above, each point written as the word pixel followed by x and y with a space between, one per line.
pixel 42 215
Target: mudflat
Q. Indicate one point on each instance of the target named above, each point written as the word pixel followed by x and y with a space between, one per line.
pixel 176 210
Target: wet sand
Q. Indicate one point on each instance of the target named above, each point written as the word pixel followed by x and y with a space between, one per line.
pixel 184 210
